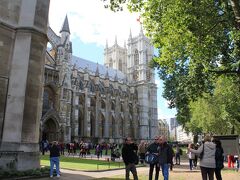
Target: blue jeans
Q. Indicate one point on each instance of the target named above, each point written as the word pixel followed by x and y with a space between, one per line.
pixel 190 164
pixel 165 171
pixel 54 160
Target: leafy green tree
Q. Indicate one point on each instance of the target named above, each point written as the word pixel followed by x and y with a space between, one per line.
pixel 197 40
pixel 218 113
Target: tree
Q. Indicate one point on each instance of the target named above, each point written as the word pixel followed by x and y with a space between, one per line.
pixel 218 113
pixel 197 40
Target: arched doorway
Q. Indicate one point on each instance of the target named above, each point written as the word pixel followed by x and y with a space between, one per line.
pixel 50 130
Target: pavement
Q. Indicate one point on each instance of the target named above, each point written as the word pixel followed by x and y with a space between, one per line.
pixel 88 175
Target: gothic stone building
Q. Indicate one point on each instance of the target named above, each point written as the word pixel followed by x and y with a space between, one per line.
pixel 87 101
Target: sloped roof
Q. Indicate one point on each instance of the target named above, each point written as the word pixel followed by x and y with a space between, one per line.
pixel 92 66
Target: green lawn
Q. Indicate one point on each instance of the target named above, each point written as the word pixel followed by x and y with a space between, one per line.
pixel 76 163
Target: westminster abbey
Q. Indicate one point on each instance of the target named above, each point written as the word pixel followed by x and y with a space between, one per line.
pixel 83 100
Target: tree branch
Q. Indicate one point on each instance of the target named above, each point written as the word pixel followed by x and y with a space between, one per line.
pixel 220 72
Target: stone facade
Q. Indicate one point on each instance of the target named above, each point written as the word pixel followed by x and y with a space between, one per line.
pixel 23 40
pixel 87 101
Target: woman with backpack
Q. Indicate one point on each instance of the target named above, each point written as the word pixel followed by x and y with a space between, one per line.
pixel 207 158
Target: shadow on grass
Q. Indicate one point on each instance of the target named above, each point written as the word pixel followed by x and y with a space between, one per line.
pixel 83 164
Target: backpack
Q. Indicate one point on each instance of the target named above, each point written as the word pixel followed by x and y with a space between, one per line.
pixel 151 158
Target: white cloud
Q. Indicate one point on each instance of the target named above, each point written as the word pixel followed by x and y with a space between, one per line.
pixel 91 22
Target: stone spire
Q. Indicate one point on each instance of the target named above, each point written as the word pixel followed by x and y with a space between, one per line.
pixel 106 75
pixel 130 35
pixel 116 40
pixel 97 71
pixel 86 69
pixel 116 77
pixel 141 30
pixel 65 27
pixel 106 43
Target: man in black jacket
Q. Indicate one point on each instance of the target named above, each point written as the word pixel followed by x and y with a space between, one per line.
pixel 54 158
pixel 129 155
pixel 154 149
pixel 165 156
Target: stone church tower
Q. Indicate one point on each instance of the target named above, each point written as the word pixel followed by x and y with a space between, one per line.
pixel 133 61
pixel 87 101
pixel 58 90
pixel 64 57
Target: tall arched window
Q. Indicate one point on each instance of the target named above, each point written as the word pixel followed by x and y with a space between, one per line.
pixel 136 57
pixel 48 99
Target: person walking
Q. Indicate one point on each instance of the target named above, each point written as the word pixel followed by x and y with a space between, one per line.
pixel 207 158
pixel 191 157
pixel 219 157
pixel 154 149
pixel 142 151
pixel 165 156
pixel 177 155
pixel 196 157
pixel 54 158
pixel 130 157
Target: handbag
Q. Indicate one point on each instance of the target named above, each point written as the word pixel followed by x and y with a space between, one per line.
pixel 151 158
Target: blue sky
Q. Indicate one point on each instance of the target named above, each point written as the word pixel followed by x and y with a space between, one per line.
pixel 91 25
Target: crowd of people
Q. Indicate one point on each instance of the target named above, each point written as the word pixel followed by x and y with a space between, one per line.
pixel 158 154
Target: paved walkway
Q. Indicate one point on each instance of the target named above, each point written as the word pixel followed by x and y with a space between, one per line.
pixel 83 175
pixel 177 170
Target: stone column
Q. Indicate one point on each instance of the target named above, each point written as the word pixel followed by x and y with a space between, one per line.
pixel 117 117
pixel 154 115
pixel 86 114
pixel 19 142
pixel 144 112
pixel 76 115
pixel 135 121
pixel 98 105
pixel 126 118
pixel 106 125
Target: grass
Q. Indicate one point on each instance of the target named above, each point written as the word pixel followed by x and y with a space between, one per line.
pixel 76 163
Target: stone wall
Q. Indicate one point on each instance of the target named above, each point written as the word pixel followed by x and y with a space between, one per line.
pixel 23 40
